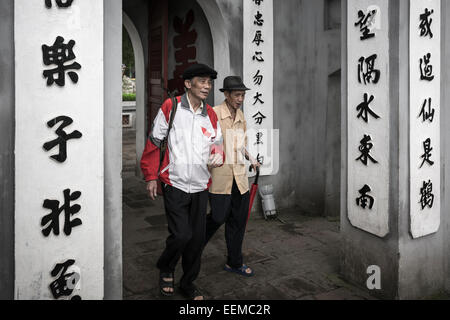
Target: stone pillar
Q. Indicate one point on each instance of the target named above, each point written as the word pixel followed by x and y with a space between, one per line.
pixel 391 198
pixel 59 138
pixel 113 149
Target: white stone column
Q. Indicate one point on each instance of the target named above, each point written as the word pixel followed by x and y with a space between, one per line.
pixel 398 241
pixel 59 200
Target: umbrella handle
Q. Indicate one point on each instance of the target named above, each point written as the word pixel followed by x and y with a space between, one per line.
pixel 255 185
pixel 257 176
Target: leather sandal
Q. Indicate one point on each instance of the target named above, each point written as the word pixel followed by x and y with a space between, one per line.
pixel 163 284
pixel 241 271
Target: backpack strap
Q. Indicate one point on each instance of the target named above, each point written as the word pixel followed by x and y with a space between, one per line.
pixel 164 143
pixel 172 114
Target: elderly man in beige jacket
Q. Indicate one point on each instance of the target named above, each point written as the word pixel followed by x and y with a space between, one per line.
pixel 229 191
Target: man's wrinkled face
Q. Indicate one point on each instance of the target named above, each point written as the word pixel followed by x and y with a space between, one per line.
pixel 235 99
pixel 199 87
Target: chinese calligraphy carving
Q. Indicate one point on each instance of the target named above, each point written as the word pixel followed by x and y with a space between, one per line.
pixel 258 78
pixel 258 73
pixel 425 23
pixel 427 112
pixel 258 38
pixel 364 109
pixel 63 137
pixel 259 136
pixel 50 222
pixel 427 196
pixel 257 98
pixel 58 54
pixel 59 3
pixel 425 56
pixel 258 19
pixel 260 159
pixel 427 153
pixel 365 200
pixel 426 69
pixel 64 285
pixel 365 148
pixel 258 57
pixel 259 117
pixel 367 71
pixel 365 22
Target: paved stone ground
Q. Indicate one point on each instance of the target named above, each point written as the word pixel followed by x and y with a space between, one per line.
pixel 298 259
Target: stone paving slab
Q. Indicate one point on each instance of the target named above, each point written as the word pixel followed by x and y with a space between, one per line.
pixel 342 294
pixel 296 286
pixel 262 291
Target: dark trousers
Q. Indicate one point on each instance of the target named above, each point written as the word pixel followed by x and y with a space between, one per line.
pixel 233 211
pixel 186 214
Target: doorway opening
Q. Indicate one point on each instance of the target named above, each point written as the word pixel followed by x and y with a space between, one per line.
pixel 295 260
pixel 161 39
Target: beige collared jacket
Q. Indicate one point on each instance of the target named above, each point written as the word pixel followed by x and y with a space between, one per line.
pixel 234 141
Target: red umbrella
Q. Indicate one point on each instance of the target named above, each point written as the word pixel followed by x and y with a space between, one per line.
pixel 253 191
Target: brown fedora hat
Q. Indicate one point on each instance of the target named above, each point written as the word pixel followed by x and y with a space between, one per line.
pixel 233 83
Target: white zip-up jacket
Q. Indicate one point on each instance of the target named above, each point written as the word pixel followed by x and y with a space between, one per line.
pixel 192 139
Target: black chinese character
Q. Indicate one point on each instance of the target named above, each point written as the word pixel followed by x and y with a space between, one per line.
pixel 427 112
pixel 259 117
pixel 258 2
pixel 427 197
pixel 257 98
pixel 365 22
pixel 66 283
pixel 59 54
pixel 426 69
pixel 62 139
pixel 365 148
pixel 52 220
pixel 365 200
pixel 258 19
pixel 59 3
pixel 258 78
pixel 364 109
pixel 259 136
pixel 260 159
pixel 258 57
pixel 427 153
pixel 258 38
pixel 367 71
pixel 425 23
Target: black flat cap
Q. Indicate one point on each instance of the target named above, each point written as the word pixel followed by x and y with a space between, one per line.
pixel 199 70
pixel 233 83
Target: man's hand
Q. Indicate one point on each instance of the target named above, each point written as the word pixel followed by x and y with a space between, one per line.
pixel 256 165
pixel 215 161
pixel 152 188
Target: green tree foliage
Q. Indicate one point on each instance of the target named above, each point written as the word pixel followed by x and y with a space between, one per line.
pixel 127 54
